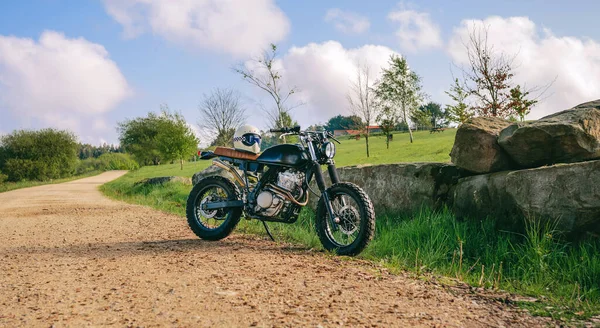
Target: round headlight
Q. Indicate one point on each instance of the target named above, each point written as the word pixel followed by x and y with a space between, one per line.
pixel 329 149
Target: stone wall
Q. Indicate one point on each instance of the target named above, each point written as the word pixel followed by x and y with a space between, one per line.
pixel 404 187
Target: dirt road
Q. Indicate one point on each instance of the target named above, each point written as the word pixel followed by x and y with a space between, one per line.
pixel 70 257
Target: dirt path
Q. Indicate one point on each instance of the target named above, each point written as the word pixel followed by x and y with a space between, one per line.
pixel 70 257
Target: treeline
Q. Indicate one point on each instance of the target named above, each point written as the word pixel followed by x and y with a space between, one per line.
pixel 50 154
pixel 90 151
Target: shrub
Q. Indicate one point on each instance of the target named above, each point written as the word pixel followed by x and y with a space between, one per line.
pixel 38 155
pixel 117 161
pixel 107 162
pixel 3 177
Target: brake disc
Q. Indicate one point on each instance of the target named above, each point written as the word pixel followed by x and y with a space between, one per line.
pixel 207 214
pixel 349 218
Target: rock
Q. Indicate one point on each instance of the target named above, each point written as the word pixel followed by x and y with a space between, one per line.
pixel 569 136
pixel 567 194
pixel 476 147
pixel 403 188
pixel 162 180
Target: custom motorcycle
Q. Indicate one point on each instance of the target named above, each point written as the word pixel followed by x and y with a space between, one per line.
pixel 273 187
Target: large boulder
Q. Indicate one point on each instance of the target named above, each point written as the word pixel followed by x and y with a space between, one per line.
pixel 403 188
pixel 476 147
pixel 565 194
pixel 569 136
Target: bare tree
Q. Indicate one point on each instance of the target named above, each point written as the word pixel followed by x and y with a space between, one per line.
pixel 361 99
pixel 220 114
pixel 488 79
pixel 263 73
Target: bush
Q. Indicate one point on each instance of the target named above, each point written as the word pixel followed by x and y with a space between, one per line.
pixel 3 177
pixel 38 155
pixel 117 161
pixel 107 162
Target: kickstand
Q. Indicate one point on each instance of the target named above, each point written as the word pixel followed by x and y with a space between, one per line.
pixel 268 232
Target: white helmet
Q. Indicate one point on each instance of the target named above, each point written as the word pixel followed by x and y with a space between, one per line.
pixel 247 138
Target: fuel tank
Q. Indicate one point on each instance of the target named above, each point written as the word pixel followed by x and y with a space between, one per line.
pixel 285 155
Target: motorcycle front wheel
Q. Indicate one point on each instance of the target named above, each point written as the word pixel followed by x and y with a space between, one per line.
pixel 354 224
pixel 212 224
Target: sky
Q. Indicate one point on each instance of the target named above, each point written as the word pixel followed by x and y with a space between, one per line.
pixel 85 65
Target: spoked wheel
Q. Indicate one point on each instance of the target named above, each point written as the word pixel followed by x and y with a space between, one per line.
pixel 212 224
pixel 354 224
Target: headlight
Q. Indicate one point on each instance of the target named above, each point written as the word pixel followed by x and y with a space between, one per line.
pixel 329 149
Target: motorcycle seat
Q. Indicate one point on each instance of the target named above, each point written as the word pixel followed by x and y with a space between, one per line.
pixel 234 153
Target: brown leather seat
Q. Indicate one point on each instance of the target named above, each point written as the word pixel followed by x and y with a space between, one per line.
pixel 233 153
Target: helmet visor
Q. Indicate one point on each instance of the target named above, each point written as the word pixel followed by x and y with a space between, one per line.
pixel 250 139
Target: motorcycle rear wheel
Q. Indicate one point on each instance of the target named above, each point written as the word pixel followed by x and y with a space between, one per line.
pixel 356 226
pixel 212 224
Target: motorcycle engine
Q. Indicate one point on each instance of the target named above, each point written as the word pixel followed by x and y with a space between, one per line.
pixel 269 202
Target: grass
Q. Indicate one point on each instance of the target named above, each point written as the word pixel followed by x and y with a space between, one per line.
pixel 8 186
pixel 430 147
pixel 563 277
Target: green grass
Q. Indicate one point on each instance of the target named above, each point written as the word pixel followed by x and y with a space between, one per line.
pixel 427 147
pixel 564 277
pixel 8 186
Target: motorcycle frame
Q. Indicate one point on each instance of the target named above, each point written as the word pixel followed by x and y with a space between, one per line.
pixel 313 170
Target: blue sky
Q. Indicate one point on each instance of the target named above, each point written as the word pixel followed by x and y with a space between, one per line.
pixel 94 68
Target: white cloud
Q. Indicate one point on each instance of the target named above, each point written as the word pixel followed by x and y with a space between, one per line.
pixel 346 21
pixel 237 27
pixel 417 31
pixel 58 81
pixel 540 58
pixel 323 71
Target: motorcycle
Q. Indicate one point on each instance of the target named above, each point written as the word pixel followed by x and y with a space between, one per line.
pixel 273 187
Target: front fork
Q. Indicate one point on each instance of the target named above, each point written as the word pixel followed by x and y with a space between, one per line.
pixel 333 175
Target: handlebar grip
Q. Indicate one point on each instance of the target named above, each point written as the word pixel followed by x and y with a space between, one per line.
pixel 278 130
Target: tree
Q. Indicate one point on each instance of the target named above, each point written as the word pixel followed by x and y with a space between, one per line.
pixel 340 122
pixel 458 112
pixel 400 89
pixel 175 138
pixel 263 73
pixel 38 155
pixel 158 137
pixel 361 100
pixel 220 115
pixel 488 75
pixel 388 119
pixel 519 103
pixel 430 115
pixel 138 137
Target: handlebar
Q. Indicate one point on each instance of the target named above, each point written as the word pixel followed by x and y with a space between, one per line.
pixel 294 129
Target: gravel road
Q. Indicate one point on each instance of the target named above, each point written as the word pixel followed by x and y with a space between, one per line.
pixel 69 257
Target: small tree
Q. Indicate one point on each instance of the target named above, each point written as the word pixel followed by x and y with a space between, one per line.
pixel 459 112
pixel 488 75
pixel 400 88
pixel 388 119
pixel 520 105
pixel 264 74
pixel 362 101
pixel 175 138
pixel 220 115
